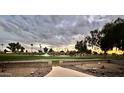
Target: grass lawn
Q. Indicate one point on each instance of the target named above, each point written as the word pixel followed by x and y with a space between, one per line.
pixel 17 57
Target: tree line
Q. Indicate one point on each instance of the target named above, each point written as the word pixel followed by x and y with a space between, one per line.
pixel 110 36
pixel 18 48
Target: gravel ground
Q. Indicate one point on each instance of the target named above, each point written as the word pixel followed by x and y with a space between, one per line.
pixel 31 69
pixel 101 69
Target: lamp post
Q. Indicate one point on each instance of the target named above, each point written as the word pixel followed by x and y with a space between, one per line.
pixel 40 46
pixel 31 47
pixel 2 47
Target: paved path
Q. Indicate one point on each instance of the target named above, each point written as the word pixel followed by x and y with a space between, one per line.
pixel 64 72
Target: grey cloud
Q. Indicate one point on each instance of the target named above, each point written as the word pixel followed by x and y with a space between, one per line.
pixel 54 30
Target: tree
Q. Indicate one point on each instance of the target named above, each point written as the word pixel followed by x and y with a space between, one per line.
pixel 22 49
pixel 113 35
pixel 15 47
pixel 62 52
pixel 12 47
pixel 81 46
pixel 26 51
pixel 51 50
pixel 45 50
pixel 71 53
pixel 88 51
pixel 119 20
pixel 18 46
pixel 94 38
pixel 106 42
pixel 5 51
pixel 105 46
pixel 118 33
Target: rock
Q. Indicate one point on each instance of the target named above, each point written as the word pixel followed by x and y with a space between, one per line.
pixel 102 67
pixel 99 63
pixel 109 61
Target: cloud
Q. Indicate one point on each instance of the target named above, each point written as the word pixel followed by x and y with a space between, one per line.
pixel 54 30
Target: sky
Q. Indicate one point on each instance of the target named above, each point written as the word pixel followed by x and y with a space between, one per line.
pixel 55 31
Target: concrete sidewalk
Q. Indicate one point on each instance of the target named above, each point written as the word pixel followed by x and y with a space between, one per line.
pixel 64 72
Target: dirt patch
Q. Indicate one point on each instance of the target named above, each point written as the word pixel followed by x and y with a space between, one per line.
pixel 102 69
pixel 23 69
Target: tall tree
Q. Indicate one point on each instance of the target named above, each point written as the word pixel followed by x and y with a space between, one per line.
pixel 15 47
pixel 94 38
pixel 107 40
pixel 45 50
pixel 81 46
pixel 12 47
pixel 113 35
pixel 118 33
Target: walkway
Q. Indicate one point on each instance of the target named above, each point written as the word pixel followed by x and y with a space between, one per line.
pixel 64 72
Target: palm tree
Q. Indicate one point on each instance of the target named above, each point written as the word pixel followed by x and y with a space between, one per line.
pixel 31 47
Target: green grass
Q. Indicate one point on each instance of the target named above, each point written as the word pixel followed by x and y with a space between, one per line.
pixel 17 57
pixel 55 63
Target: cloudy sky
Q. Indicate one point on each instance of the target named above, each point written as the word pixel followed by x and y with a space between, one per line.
pixel 49 30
